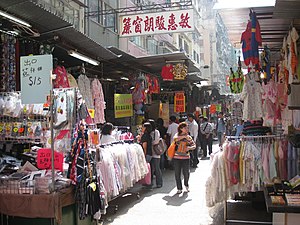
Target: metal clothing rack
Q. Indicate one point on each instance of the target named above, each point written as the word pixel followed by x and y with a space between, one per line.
pixel 225 200
pixel 126 192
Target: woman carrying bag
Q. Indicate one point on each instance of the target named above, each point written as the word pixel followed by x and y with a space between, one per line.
pixel 184 144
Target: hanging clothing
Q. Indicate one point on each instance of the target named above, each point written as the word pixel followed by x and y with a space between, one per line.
pixel 61 80
pixel 252 97
pixel 84 86
pixel 292 57
pixel 98 100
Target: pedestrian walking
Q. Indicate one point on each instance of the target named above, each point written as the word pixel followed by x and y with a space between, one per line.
pixel 193 131
pixel 206 130
pixel 221 128
pixel 155 161
pixel 184 144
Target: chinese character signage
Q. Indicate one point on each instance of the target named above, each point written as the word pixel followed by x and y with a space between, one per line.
pixel 218 107
pixel 213 109
pixel 44 159
pixel 35 72
pixel 157 23
pixel 123 105
pixel 179 102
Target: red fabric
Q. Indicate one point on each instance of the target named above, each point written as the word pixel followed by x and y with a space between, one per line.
pixel 167 72
pixel 61 80
pixel 155 86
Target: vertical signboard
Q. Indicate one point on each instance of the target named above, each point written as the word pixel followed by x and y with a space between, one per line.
pixel 35 78
pixel 179 102
pixel 123 105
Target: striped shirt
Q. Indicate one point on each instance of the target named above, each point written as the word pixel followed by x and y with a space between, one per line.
pixel 183 146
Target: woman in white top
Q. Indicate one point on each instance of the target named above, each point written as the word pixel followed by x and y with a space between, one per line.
pixel 106 132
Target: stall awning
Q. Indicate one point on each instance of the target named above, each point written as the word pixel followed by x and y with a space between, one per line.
pixel 51 23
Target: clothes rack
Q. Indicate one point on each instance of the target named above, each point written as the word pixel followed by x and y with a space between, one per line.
pixel 261 137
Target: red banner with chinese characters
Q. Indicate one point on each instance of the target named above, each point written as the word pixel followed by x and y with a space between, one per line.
pixel 156 23
pixel 44 159
pixel 179 102
pixel 213 109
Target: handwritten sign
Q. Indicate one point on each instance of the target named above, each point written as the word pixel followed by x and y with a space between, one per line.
pixel 157 23
pixel 123 105
pixel 179 102
pixel 35 72
pixel 44 159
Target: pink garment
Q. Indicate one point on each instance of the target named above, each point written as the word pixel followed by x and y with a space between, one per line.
pixel 99 103
pixel 61 80
pixel 127 136
pixel 270 91
pixel 282 97
pixel 265 160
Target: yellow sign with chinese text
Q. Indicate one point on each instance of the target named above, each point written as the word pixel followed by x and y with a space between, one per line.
pixel 123 105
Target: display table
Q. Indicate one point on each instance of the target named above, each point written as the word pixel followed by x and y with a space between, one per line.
pixel 56 208
pixel 282 214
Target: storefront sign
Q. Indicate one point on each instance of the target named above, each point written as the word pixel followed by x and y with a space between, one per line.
pixel 218 107
pixel 123 105
pixel 35 72
pixel 44 159
pixel 157 23
pixel 179 102
pixel 213 109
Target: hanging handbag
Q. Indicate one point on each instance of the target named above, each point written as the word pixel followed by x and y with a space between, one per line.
pixel 294 136
pixel 160 147
pixel 171 150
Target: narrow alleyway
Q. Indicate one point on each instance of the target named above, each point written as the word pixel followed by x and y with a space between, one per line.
pixel 164 207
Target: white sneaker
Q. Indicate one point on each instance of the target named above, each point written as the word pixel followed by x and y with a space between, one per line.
pixel 179 191
pixel 187 189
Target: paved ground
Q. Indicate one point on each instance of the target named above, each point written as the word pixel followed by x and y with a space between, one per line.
pixel 164 207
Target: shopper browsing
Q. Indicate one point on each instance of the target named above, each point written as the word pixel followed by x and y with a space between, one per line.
pixel 184 144
pixel 155 161
pixel 106 136
pixel 193 131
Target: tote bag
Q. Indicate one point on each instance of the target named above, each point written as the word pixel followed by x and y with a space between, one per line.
pixel 171 150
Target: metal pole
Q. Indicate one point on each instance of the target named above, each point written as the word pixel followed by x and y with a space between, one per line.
pixel 52 139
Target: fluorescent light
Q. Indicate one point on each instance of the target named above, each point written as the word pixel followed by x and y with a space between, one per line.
pixel 83 58
pixel 14 19
pixel 236 4
pixel 124 78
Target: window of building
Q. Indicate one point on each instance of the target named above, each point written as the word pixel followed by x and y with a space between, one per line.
pixel 180 43
pixel 95 7
pixel 186 47
pixel 109 19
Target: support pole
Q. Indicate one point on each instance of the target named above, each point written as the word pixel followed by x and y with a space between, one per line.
pixel 52 139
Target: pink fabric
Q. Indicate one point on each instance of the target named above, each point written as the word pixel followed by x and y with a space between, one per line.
pixel 147 179
pixel 98 100
pixel 61 80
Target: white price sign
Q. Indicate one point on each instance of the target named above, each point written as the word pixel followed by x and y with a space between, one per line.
pixel 35 72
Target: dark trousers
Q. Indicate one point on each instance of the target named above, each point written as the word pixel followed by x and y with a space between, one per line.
pixel 207 143
pixel 155 169
pixel 194 155
pixel 184 166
